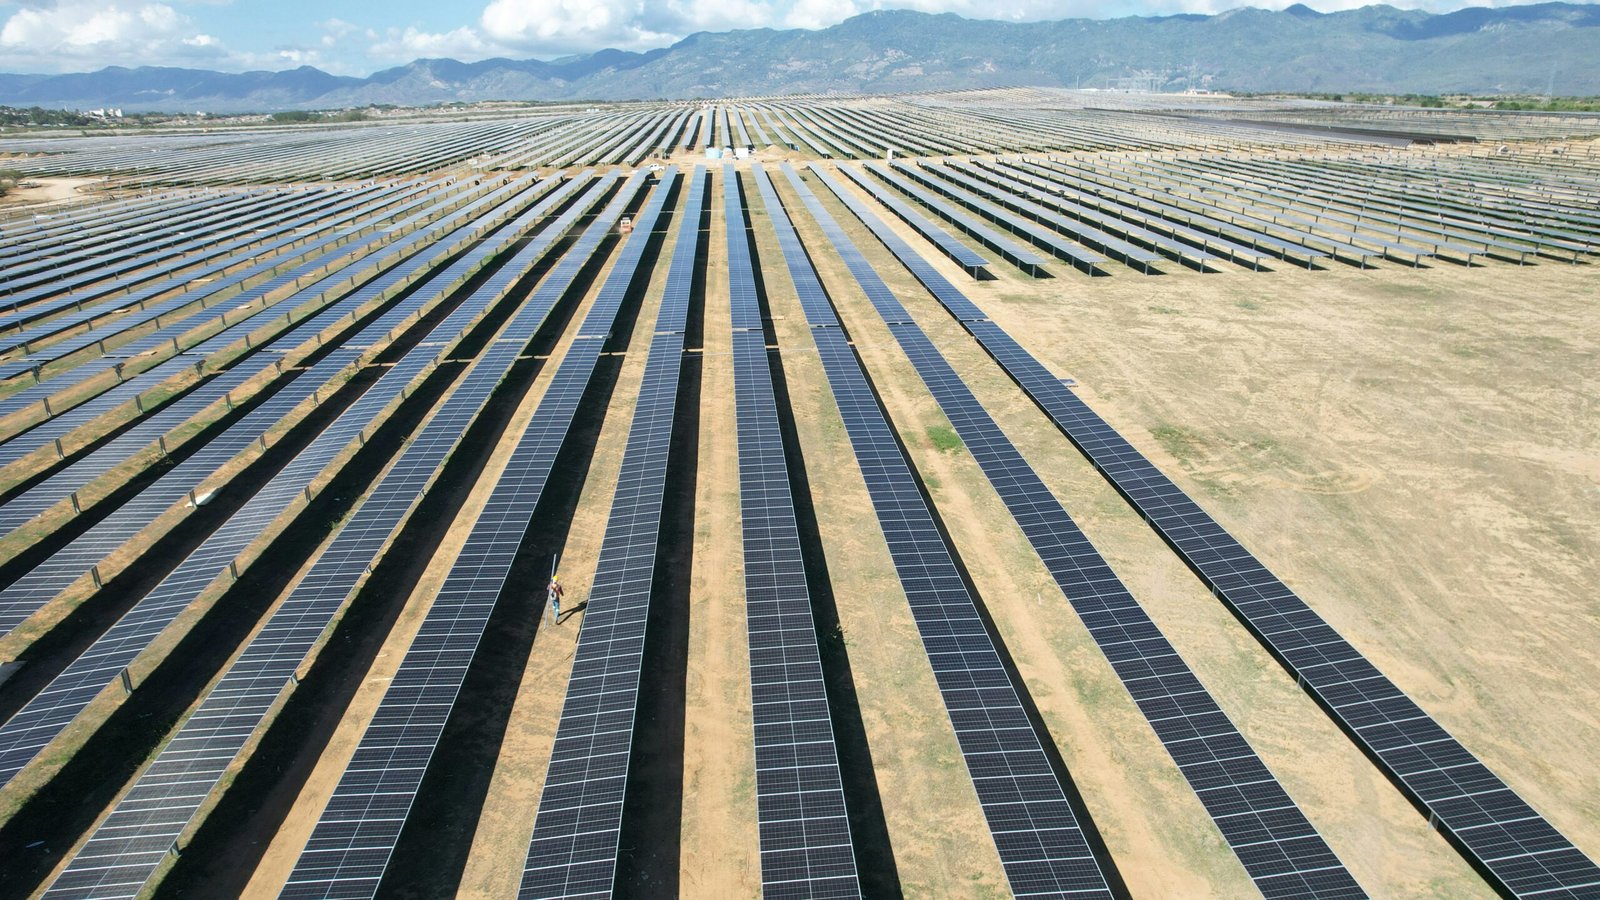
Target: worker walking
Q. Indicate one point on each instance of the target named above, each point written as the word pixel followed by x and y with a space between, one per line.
pixel 554 593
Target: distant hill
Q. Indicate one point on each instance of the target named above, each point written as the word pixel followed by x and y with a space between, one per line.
pixel 1523 49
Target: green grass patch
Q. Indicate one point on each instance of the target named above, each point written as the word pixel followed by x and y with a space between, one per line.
pixel 1178 441
pixel 944 438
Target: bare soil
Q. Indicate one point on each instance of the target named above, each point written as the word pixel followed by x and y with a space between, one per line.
pixel 1416 452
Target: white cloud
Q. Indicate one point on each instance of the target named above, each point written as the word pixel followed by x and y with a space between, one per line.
pixel 560 26
pixel 72 34
pixel 410 44
pixel 547 28
pixel 820 13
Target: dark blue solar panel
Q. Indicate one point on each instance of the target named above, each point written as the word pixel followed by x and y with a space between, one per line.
pixel 167 338
pixel 940 238
pixel 24 507
pixel 351 845
pixel 1041 844
pixel 168 794
pixel 37 723
pixel 81 557
pixel 209 286
pixel 800 808
pixel 1272 838
pixel 573 850
pixel 1495 829
pixel 1025 226
pixel 1500 832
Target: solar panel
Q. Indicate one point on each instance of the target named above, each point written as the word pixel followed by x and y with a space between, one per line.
pixel 187 770
pixel 1084 222
pixel 573 850
pixel 38 277
pixel 399 269
pixel 24 507
pixel 91 285
pixel 1496 830
pixel 357 831
pixel 800 806
pixel 961 253
pixel 1278 846
pixel 38 722
pixel 1040 841
pixel 990 197
pixel 221 284
pixel 81 557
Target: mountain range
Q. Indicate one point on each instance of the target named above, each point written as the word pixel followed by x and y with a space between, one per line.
pixel 1541 48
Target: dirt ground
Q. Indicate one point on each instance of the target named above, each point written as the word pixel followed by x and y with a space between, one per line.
pixel 518 776
pixel 46 192
pixel 1426 482
pixel 1416 452
pixel 721 856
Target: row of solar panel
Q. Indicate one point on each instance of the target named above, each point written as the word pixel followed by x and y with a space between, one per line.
pixel 33 727
pixel 573 850
pixel 82 555
pixel 1041 843
pixel 324 289
pixel 79 474
pixel 1497 831
pixel 358 829
pixel 804 829
pixel 1529 849
pixel 1271 836
pixel 226 719
pixel 214 282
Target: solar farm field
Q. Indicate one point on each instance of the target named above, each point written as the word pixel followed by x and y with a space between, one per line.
pixel 1005 493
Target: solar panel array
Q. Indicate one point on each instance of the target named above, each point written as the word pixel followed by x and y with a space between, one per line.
pixel 210 285
pixel 125 323
pixel 1041 843
pixel 167 795
pixel 172 250
pixel 1271 836
pixel 573 851
pixel 803 824
pixel 395 239
pixel 964 256
pixel 33 727
pixel 356 833
pixel 263 240
pixel 398 267
pixel 29 504
pixel 85 553
pixel 1022 226
pixel 1496 830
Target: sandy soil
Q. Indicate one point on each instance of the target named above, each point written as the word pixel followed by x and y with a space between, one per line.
pixel 1347 476
pixel 47 191
pixel 721 855
pixel 280 857
pixel 930 807
pixel 1414 451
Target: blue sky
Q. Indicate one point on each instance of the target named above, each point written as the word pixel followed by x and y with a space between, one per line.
pixel 356 37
